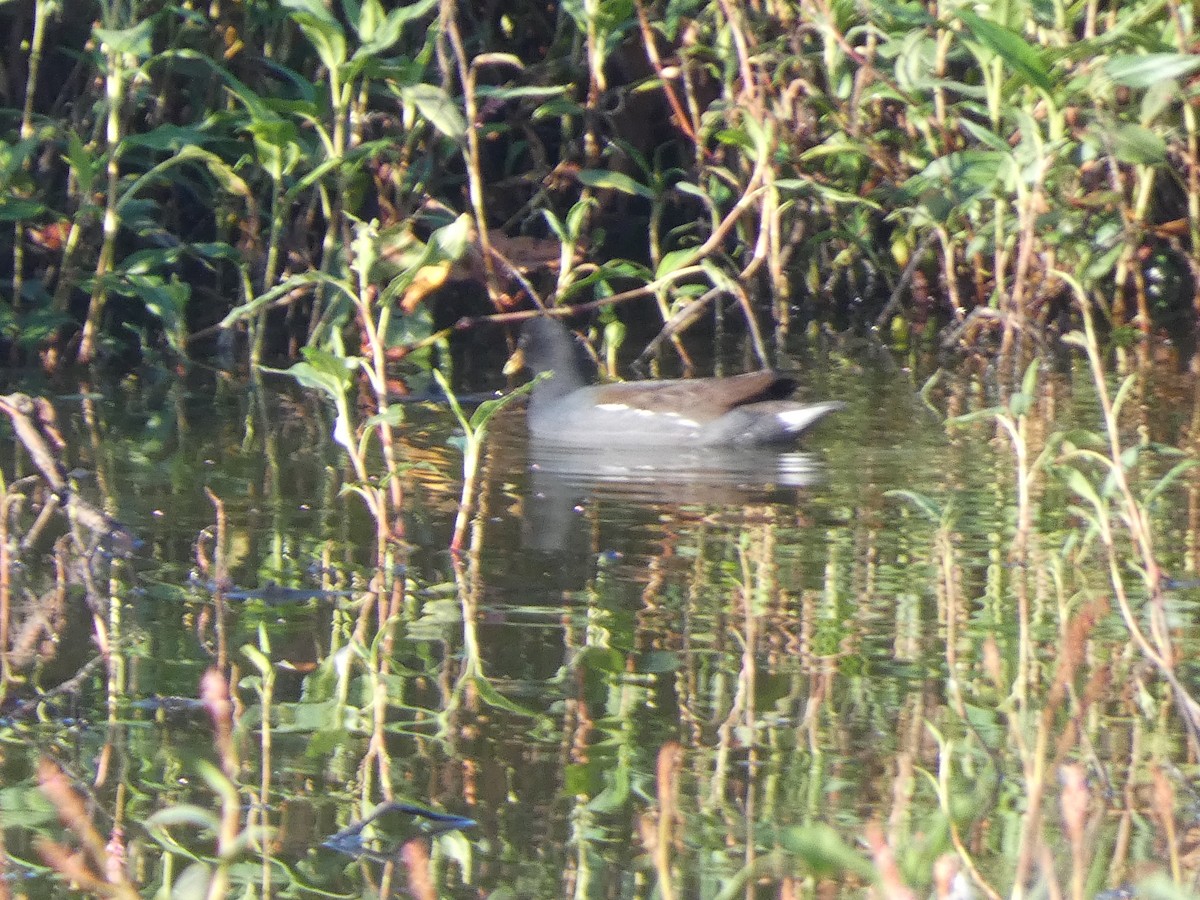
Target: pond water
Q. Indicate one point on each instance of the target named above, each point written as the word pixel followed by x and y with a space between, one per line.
pixel 645 676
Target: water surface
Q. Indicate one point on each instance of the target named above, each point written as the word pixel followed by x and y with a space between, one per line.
pixel 646 674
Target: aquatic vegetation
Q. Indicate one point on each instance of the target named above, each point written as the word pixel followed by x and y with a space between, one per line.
pixel 902 165
pixel 980 676
pixel 933 658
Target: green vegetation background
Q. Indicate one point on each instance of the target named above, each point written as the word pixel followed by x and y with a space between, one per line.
pixel 279 168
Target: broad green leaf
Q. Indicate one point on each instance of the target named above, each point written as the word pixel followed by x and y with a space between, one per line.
pixel 615 795
pixel 601 659
pixel 257 657
pixel 1133 144
pixel 616 181
pixel 1024 59
pixel 166 137
pixel 277 145
pixel 1145 70
pixel 386 32
pixel 13 209
pixel 14 156
pixel 314 8
pixel 393 415
pixel 436 106
pixel 216 250
pixel 167 301
pixel 686 187
pixel 969 172
pixel 451 241
pixel 1079 483
pixel 410 11
pixel 559 107
pixel 326 37
pixel 660 662
pixel 1159 97
pixel 824 191
pixel 824 853
pixel 985 136
pixel 34 327
pixel 675 259
pixel 454 845
pixel 556 225
pixel 364 17
pixel 84 164
pixel 135 41
pixel 322 371
pixel 1129 458
pixel 736 137
pixel 487 410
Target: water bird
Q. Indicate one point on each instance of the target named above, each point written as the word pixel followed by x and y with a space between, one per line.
pixel 749 410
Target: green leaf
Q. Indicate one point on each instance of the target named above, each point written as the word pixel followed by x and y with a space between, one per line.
pixel 824 852
pixel 326 37
pixel 1133 144
pixel 15 210
pixel 451 241
pixel 824 191
pixel 616 181
pixel 437 108
pixel 135 41
pixel 1079 483
pixel 384 34
pixel 616 792
pixel 1029 382
pixel 920 501
pixel 323 371
pixel 1167 480
pixel 1145 70
pixel 674 260
pixel 167 301
pixel 985 136
pixel 601 659
pixel 736 137
pixel 314 8
pixel 968 172
pixel 492 697
pixel 1025 60
pixel 35 326
pixel 257 657
pixel 660 662
pixel 521 92
pixel 411 11
pixel 1122 394
pixel 577 217
pixel 486 410
pixel 184 814
pixel 392 415
pixel 166 137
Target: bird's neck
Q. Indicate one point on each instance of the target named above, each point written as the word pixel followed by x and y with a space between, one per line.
pixel 561 381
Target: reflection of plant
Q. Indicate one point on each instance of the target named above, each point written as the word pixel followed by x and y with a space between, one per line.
pixel 475 430
pixel 331 371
